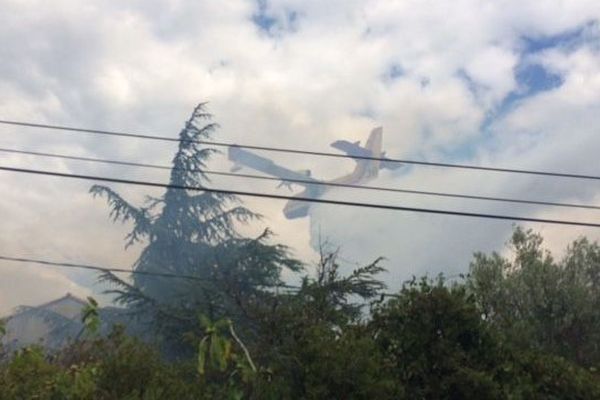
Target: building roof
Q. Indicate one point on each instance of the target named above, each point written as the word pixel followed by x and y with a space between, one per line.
pixel 49 305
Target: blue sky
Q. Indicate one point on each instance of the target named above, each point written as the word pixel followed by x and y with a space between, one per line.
pixel 531 76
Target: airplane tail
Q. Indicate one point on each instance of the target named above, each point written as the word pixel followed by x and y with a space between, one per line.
pixel 374 146
pixel 369 159
pixel 374 142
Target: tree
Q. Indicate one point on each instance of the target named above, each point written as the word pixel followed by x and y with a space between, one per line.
pixel 2 334
pixel 435 342
pixel 313 342
pixel 195 235
pixel 436 345
pixel 429 340
pixel 539 302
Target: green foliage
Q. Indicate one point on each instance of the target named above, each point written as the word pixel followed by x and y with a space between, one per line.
pixel 2 334
pixel 214 347
pixel 312 341
pixel 534 375
pixel 345 365
pixel 224 358
pixel 331 298
pixel 520 328
pixel 436 343
pixel 117 367
pixel 30 376
pixel 538 302
pixel 90 316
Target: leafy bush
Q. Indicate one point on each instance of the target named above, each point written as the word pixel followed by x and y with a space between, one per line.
pixel 488 338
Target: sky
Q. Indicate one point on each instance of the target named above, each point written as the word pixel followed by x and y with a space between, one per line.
pixel 497 83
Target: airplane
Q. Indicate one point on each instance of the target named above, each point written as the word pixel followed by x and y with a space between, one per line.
pixel 364 171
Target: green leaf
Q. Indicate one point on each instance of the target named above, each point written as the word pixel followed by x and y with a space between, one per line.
pixel 220 349
pixel 202 351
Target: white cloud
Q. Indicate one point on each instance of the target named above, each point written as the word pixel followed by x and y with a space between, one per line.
pixel 493 68
pixel 322 73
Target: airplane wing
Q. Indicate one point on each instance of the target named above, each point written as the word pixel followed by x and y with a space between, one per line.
pixel 243 158
pixel 352 149
pixel 390 165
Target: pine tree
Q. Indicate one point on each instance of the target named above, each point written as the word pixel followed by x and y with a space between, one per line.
pixel 195 235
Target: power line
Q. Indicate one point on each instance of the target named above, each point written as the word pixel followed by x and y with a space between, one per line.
pixel 40 262
pixel 110 269
pixel 100 269
pixel 301 181
pixel 303 152
pixel 296 198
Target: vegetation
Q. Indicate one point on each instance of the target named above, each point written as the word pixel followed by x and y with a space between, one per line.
pixel 518 327
pixel 194 234
pixel 430 340
pixel 537 301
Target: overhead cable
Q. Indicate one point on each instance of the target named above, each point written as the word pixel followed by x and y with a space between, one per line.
pixel 42 262
pixel 97 268
pixel 295 198
pixel 303 152
pixel 299 181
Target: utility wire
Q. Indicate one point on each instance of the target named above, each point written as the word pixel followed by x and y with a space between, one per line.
pixel 109 269
pixel 296 151
pixel 97 268
pixel 40 262
pixel 295 198
pixel 299 181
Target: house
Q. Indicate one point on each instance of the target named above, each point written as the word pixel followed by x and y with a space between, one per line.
pixel 51 324
pixel 54 324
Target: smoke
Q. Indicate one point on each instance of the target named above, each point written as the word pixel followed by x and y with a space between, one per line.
pixel 412 244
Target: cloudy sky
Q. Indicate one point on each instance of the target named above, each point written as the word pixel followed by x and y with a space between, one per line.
pixel 499 83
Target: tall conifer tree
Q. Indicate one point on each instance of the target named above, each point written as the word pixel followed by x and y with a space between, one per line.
pixel 195 234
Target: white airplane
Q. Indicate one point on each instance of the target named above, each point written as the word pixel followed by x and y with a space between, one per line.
pixel 364 171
